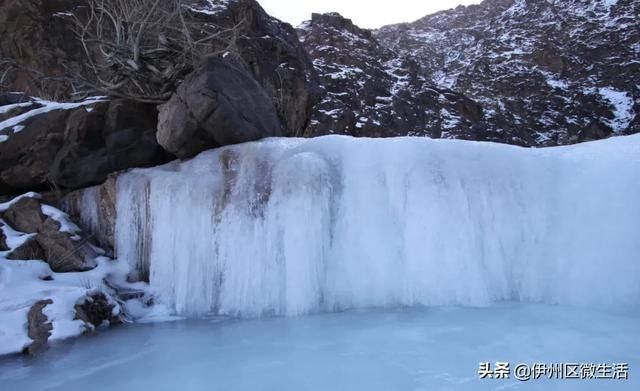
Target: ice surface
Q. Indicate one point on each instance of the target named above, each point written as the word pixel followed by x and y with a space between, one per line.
pixel 290 227
pixel 434 349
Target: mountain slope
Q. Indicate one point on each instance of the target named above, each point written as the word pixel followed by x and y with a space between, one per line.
pixel 545 72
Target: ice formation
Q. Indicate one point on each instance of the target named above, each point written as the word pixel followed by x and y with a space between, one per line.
pixel 289 227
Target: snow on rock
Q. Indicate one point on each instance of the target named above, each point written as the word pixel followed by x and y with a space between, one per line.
pixel 295 226
pixel 45 106
pixel 25 282
pixel 622 103
pixel 528 63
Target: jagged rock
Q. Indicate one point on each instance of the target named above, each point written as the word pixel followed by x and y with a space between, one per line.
pixel 372 91
pixel 39 328
pixel 95 310
pixel 545 72
pixel 215 106
pixel 79 147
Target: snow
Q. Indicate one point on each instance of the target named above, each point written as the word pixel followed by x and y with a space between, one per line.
pixel 212 7
pixel 6 205
pixel 7 108
pixel 66 225
pixel 22 285
pixel 47 106
pixel 292 226
pixel 622 103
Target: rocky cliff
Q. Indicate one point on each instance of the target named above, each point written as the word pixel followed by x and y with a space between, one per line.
pixel 545 72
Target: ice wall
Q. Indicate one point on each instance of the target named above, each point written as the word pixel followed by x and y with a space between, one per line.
pixel 297 226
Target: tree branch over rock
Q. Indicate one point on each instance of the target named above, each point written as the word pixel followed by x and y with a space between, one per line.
pixel 142 49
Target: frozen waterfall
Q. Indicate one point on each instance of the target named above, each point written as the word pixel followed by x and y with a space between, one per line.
pixel 292 226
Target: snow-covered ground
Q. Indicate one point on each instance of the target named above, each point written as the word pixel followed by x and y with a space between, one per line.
pixel 25 282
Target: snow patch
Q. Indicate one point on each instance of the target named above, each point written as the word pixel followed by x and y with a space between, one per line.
pixel 622 103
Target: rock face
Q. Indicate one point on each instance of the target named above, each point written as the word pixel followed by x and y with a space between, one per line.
pixel 270 51
pixel 37 47
pixel 544 72
pixel 265 85
pixel 73 146
pixel 372 91
pixel 215 106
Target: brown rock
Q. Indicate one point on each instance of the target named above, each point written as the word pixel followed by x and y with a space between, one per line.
pixel 61 252
pixel 95 310
pixel 39 328
pixel 29 250
pixel 25 215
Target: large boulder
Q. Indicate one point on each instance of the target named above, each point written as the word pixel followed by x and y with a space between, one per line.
pixel 78 146
pixel 112 137
pixel 217 105
pixel 270 51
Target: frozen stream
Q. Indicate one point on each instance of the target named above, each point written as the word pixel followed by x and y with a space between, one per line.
pixel 406 349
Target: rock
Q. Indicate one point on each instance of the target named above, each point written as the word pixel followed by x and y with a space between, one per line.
pixel 94 209
pixel 372 91
pixel 29 250
pixel 545 72
pixel 3 240
pixel 79 147
pixel 96 310
pixel 39 328
pixel 63 251
pixel 26 157
pixel 39 38
pixel 215 106
pixel 269 50
pixel 110 138
pixel 25 215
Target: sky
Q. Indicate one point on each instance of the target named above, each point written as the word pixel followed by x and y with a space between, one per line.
pixel 364 13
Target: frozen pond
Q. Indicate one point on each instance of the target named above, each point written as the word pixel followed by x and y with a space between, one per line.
pixel 407 349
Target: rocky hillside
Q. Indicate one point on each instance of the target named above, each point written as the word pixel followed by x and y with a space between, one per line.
pixel 545 72
pixel 373 91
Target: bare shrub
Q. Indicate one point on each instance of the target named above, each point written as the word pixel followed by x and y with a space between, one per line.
pixel 142 49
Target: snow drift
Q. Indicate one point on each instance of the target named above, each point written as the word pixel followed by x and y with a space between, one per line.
pixel 291 226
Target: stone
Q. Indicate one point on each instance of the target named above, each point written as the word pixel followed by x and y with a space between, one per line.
pixel 71 149
pixel 96 310
pixel 29 250
pixel 217 105
pixel 39 328
pixel 25 215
